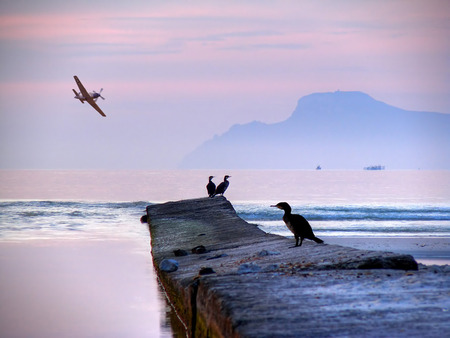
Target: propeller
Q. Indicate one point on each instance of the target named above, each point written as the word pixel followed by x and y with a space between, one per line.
pixel 98 95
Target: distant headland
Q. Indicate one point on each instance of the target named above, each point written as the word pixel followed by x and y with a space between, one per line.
pixel 339 130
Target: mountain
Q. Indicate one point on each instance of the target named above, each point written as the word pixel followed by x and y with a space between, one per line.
pixel 340 130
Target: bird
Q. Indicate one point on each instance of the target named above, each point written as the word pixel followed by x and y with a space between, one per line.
pixel 222 187
pixel 211 187
pixel 298 224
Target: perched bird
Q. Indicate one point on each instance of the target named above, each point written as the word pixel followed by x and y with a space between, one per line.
pixel 211 187
pixel 222 187
pixel 298 224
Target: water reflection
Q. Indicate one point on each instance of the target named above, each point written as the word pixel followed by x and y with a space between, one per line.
pixel 171 323
pixel 80 288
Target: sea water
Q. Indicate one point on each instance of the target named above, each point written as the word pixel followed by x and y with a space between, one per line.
pixel 51 219
pixel 105 206
pixel 88 204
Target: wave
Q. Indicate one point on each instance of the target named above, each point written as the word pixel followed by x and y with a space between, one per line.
pixel 349 213
pixel 68 216
pixel 63 217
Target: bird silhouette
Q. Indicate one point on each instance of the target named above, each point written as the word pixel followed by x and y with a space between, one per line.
pixel 222 187
pixel 211 187
pixel 298 224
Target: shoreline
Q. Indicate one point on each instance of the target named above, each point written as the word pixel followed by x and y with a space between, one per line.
pixel 426 250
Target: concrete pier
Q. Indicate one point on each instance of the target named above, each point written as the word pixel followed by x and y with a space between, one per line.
pixel 227 278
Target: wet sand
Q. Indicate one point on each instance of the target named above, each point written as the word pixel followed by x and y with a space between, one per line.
pixel 77 289
pixel 426 250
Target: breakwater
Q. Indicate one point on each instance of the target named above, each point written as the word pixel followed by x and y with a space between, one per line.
pixel 225 277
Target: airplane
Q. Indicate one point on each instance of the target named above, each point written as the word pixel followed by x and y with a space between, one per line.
pixel 91 98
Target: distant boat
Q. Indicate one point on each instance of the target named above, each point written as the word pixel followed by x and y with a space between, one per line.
pixel 319 167
pixel 374 167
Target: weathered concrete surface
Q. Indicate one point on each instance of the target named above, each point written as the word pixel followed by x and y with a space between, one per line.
pixel 262 287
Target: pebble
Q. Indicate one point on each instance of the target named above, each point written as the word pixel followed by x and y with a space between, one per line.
pixel 264 253
pixel 168 265
pixel 248 268
pixel 180 252
pixel 200 249
pixel 206 271
pixel 271 268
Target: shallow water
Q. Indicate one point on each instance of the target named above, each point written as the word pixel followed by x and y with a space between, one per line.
pixel 79 288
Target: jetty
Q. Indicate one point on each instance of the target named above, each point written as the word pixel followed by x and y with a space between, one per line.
pixel 225 277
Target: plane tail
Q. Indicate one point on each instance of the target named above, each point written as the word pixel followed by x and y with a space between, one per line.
pixel 76 96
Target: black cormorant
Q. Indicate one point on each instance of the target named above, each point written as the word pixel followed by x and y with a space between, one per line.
pixel 211 187
pixel 298 224
pixel 222 187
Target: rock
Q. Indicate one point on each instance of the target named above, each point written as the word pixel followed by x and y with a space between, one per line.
pixel 168 265
pixel 270 268
pixel 248 268
pixel 200 249
pixel 206 271
pixel 264 253
pixel 403 262
pixel 144 219
pixel 180 252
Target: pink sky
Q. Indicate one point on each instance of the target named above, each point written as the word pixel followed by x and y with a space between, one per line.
pixel 175 74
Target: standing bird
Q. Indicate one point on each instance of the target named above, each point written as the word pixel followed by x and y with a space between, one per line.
pixel 222 187
pixel 211 187
pixel 298 224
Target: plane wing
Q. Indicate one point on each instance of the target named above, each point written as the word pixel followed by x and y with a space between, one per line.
pixel 82 89
pixel 91 101
pixel 88 97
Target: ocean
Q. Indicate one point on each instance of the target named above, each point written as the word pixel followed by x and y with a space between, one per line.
pixel 99 212
pixel 50 219
pixel 86 204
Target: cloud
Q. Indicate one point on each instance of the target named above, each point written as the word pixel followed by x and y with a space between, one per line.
pixel 262 46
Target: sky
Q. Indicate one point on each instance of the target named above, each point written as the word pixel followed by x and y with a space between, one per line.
pixel 176 73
